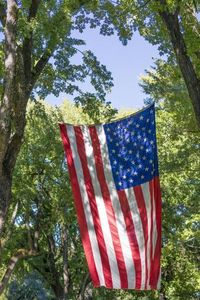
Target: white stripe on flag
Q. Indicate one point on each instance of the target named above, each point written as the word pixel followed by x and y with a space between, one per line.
pixel 86 205
pixel 121 226
pixel 147 199
pixel 101 208
pixel 138 229
pixel 155 233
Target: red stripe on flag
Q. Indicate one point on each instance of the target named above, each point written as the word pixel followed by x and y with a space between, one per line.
pixel 131 236
pixel 151 230
pixel 109 207
pixel 143 216
pixel 158 208
pixel 79 207
pixel 93 205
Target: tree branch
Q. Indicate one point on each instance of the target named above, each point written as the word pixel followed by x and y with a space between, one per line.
pixel 43 60
pixel 86 280
pixel 11 223
pixel 144 4
pixel 33 9
pixel 39 67
pixel 28 42
pixel 21 253
pixel 195 5
pixel 6 104
pixel 171 21
pixel 37 226
pixel 56 285
pixel 65 261
pixel 10 60
pixel 2 14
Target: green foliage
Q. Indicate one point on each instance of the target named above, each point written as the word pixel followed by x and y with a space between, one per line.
pixel 50 33
pixel 179 167
pixel 178 144
pixel 124 17
pixel 41 185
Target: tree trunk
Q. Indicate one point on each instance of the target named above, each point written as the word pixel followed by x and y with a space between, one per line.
pixel 83 287
pixel 65 262
pixel 12 109
pixel 19 81
pixel 191 79
pixel 13 145
pixel 5 195
pixel 55 284
pixel 21 253
pixel 6 107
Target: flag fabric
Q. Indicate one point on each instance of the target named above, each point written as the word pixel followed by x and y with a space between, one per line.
pixel 113 170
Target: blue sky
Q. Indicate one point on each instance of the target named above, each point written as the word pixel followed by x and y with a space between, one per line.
pixel 127 64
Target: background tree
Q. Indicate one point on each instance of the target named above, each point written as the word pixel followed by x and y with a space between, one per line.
pixel 43 227
pixel 178 144
pixel 173 25
pixel 33 48
pixel 36 43
pixel 46 221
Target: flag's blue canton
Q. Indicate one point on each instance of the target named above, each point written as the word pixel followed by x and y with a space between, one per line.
pixel 132 148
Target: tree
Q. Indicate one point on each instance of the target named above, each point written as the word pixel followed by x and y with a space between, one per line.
pixel 178 144
pixel 33 47
pixel 36 59
pixel 173 25
pixel 44 229
pixel 46 208
pixel 175 19
pixel 36 56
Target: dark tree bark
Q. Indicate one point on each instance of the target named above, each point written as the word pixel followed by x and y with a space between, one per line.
pixel 7 100
pixel 20 78
pixel 171 21
pixel 83 287
pixel 55 283
pixel 9 229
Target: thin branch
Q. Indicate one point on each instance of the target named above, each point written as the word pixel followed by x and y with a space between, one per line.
pixel 43 60
pixel 28 42
pixel 30 240
pixel 2 14
pixel 144 4
pixel 86 280
pixel 11 223
pixel 114 2
pixel 178 8
pixel 195 5
pixel 37 228
pixel 39 67
pixel 65 261
pixel 33 9
pixel 14 214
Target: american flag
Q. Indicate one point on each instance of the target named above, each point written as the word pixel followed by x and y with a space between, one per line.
pixel 113 170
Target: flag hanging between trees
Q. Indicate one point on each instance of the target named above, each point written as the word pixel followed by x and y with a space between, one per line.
pixel 113 170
